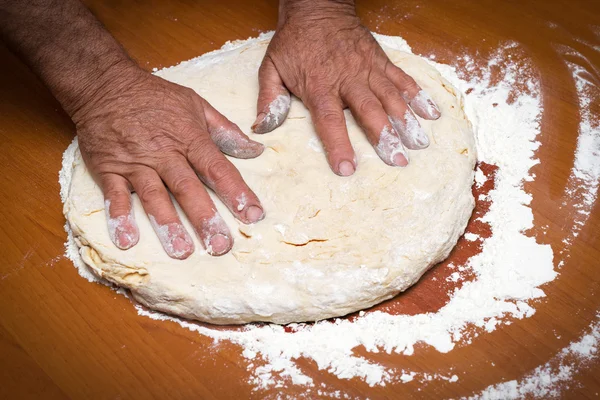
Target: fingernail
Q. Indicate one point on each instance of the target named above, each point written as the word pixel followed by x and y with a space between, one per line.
pixel 411 133
pixel 182 247
pixel 125 240
pixel 234 144
pixel 250 149
pixel 390 148
pixel 246 152
pixel 424 106
pixel 174 239
pixel 400 160
pixel 122 230
pixel 270 119
pixel 257 146
pixel 244 149
pixel 214 235
pixel 254 214
pixel 218 245
pixel 259 119
pixel 346 168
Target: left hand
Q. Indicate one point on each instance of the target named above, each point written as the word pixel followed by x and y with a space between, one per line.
pixel 142 133
pixel 330 61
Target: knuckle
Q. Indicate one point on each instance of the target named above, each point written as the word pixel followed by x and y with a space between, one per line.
pixel 149 192
pixel 412 86
pixel 183 184
pixel 396 71
pixel 367 106
pixel 113 194
pixel 319 92
pixel 406 81
pixel 340 143
pixel 218 170
pixel 200 146
pixel 331 117
pixel 337 145
pixel 390 93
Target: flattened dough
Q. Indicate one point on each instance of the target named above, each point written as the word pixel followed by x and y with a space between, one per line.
pixel 329 245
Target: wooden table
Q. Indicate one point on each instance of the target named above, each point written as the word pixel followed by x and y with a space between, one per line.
pixel 63 337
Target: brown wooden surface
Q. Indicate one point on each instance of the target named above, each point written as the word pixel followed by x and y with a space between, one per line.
pixel 63 337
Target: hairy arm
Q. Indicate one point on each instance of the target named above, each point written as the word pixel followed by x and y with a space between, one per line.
pixel 65 45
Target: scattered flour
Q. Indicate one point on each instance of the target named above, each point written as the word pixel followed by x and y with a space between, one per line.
pixel 315 145
pixel 506 132
pixel 584 179
pixel 480 177
pixel 550 379
pixel 471 237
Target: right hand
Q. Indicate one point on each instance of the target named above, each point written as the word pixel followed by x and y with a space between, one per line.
pixel 323 55
pixel 140 133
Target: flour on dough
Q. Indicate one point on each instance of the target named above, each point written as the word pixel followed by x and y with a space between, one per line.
pixel 329 245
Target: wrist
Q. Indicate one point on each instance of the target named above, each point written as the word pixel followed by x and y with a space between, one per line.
pixel 306 11
pixel 110 80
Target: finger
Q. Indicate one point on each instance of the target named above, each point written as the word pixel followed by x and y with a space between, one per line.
pixel 273 99
pixel 225 180
pixel 403 120
pixel 228 136
pixel 197 205
pixel 173 236
pixel 328 117
pixel 420 102
pixel 369 113
pixel 122 229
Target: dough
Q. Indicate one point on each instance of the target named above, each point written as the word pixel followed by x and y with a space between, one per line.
pixel 329 245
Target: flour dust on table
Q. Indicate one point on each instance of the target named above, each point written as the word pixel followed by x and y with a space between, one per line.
pixel 506 124
pixel 329 245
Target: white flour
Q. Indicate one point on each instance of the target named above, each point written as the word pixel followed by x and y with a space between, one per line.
pixel 556 375
pixel 585 173
pixel 506 129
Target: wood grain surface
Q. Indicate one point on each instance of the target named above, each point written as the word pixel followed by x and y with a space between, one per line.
pixel 63 337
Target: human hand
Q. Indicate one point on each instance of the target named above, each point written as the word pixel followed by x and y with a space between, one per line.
pixel 324 56
pixel 141 133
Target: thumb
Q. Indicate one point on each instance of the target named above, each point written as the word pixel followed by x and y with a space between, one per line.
pixel 228 137
pixel 273 98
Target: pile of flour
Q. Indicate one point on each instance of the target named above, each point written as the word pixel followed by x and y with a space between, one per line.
pixel 506 125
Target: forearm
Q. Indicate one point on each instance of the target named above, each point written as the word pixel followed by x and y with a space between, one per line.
pixel 314 9
pixel 65 45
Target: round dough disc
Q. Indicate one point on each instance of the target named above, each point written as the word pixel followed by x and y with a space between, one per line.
pixel 329 245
